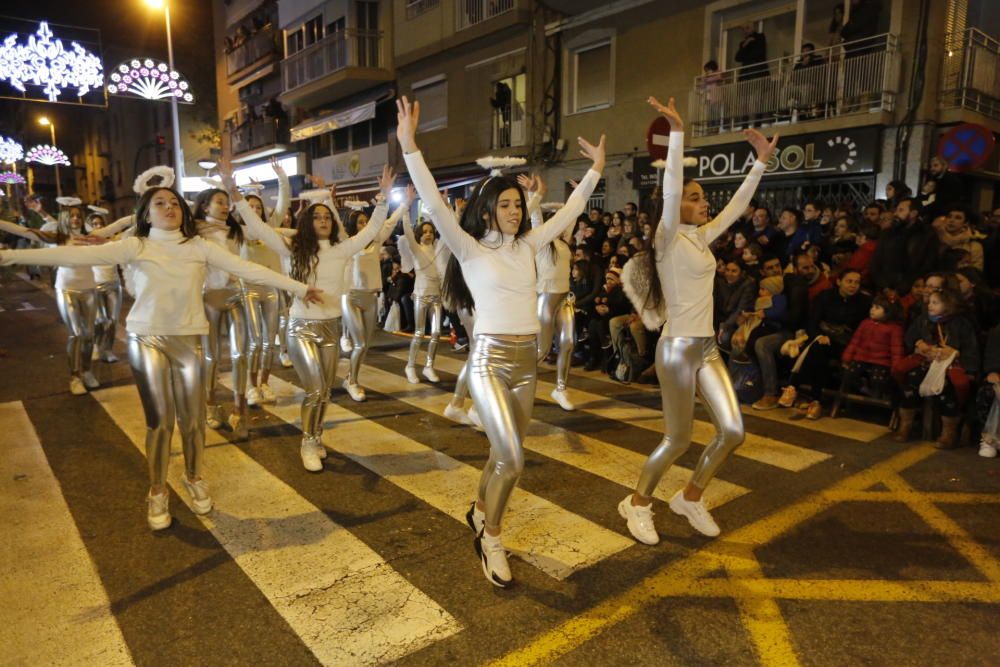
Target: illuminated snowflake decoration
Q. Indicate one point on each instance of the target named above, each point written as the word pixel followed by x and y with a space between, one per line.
pixel 10 150
pixel 11 178
pixel 45 154
pixel 44 61
pixel 151 80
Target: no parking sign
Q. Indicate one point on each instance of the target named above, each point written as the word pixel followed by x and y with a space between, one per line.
pixel 967 146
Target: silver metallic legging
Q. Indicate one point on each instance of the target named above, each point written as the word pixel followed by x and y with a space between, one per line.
pixel 78 309
pixel 284 303
pixel 502 382
pixel 468 320
pixel 169 374
pixel 360 309
pixel 555 314
pixel 221 305
pixel 685 366
pixel 262 306
pixel 422 305
pixel 109 308
pixel 314 346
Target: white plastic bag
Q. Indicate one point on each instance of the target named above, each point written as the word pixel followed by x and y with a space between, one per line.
pixel 392 319
pixel 933 382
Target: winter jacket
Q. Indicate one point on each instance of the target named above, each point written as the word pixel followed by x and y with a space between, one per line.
pixel 731 300
pixel 832 308
pixel 958 333
pixel 904 253
pixel 991 353
pixel 879 343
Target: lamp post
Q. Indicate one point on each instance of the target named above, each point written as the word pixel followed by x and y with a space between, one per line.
pixel 44 121
pixel 175 122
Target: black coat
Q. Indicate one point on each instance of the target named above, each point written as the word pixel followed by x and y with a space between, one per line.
pixel 833 309
pixel 958 333
pixel 752 50
pixel 796 293
pixel 731 300
pixel 905 252
pixel 991 353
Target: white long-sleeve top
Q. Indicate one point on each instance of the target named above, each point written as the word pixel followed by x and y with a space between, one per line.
pixel 429 262
pixel 216 232
pixel 108 273
pixel 552 265
pixel 684 261
pixel 254 250
pixel 498 269
pixel 329 272
pixel 69 277
pixel 364 271
pixel 168 273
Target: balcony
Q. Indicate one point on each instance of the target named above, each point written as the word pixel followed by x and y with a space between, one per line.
pixel 415 8
pixel 473 12
pixel 260 137
pixel 970 75
pixel 340 64
pixel 259 49
pixel 850 79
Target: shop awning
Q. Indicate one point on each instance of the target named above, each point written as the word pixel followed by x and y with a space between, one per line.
pixel 334 121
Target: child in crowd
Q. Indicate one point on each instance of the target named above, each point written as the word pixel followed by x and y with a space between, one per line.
pixel 875 347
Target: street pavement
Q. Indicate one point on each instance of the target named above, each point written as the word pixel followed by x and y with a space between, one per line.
pixel 839 546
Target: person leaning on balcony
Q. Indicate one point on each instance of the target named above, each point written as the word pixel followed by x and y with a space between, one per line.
pixel 752 50
pixel 861 24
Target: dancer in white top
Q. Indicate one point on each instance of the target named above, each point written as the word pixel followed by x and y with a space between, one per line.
pixel 316 255
pixel 108 294
pixel 166 262
pixel 682 270
pixel 496 250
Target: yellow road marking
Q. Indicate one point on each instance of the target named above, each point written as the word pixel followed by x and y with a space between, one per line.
pixel 938 498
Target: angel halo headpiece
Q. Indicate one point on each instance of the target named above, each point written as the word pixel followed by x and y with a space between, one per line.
pixel 496 165
pixel 356 204
pixel 98 210
pixel 69 201
pixel 142 181
pixel 315 196
pixel 551 206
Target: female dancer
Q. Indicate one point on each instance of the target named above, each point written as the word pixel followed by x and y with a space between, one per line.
pixel 224 306
pixel 261 302
pixel 363 275
pixel 496 251
pixel 167 262
pixel 109 295
pixel 428 257
pixel 317 257
pixel 687 359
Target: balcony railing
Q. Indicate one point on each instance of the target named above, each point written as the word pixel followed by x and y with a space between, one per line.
pixel 509 126
pixel 415 8
pixel 474 12
pixel 347 48
pixel 257 47
pixel 970 77
pixel 257 134
pixel 852 78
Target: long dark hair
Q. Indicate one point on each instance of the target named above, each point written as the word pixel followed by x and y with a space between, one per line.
pixel 351 224
pixel 305 244
pixel 648 256
pixel 201 203
pixel 189 229
pixel 479 216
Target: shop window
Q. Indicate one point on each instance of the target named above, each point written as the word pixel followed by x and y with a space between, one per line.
pixel 433 97
pixel 341 140
pixel 591 76
pixel 361 135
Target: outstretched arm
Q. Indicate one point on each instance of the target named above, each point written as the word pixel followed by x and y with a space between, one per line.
pixel 26 232
pixel 251 272
pixel 116 227
pixel 567 215
pixel 118 252
pixel 254 227
pixel 673 177
pixel 374 228
pixel 734 209
pixel 535 188
pixel 284 194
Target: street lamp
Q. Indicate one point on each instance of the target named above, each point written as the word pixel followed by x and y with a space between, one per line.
pixel 178 156
pixel 45 122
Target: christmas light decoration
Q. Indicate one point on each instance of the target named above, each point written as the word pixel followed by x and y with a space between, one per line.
pixel 11 178
pixel 10 150
pixel 45 154
pixel 149 79
pixel 43 61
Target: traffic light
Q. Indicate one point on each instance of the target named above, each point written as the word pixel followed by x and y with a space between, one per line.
pixel 161 140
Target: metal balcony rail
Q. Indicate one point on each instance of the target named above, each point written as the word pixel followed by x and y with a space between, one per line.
pixel 850 78
pixel 474 12
pixel 509 126
pixel 346 48
pixel 256 47
pixel 256 134
pixel 415 8
pixel 970 75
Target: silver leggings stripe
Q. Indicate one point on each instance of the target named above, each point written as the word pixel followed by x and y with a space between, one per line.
pixel 262 309
pixel 555 314
pixel 109 308
pixel 222 307
pixel 502 383
pixel 78 310
pixel 425 305
pixel 685 366
pixel 169 374
pixel 314 346
pixel 360 308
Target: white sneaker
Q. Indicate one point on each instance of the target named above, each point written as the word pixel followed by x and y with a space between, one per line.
pixel 987 449
pixel 411 375
pixel 158 511
pixel 286 361
pixel 76 386
pixel 238 425
pixel 320 447
pixel 476 518
pixel 110 358
pixel 562 398
pixel 346 346
pixel 253 397
pixel 267 394
pixel 457 415
pixel 90 380
pixel 310 457
pixel 431 375
pixel 639 520
pixel 213 416
pixel 355 391
pixel 696 514
pixel 201 502
pixel 477 423
pixel 494 559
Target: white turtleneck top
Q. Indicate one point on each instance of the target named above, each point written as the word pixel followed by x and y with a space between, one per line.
pixel 168 272
pixel 499 269
pixel 428 262
pixel 364 271
pixel 684 260
pixel 552 262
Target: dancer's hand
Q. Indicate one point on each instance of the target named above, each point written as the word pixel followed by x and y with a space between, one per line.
pixel 333 192
pixel 276 166
pixel 411 196
pixel 526 182
pixel 764 148
pixel 313 295
pixel 386 181
pixel 225 168
pixel 669 112
pixel 595 153
pixel 407 119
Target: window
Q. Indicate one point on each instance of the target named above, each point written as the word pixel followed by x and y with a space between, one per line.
pixel 305 35
pixel 508 102
pixel 313 30
pixel 361 135
pixel 433 97
pixel 341 140
pixel 592 81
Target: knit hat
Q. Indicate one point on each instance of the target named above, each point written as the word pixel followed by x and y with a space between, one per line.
pixel 773 284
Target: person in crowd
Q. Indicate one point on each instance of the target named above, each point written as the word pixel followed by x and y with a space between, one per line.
pixel 981 304
pixel 895 192
pixel 762 231
pixel 609 303
pixel 751 54
pixel 957 234
pixel 876 346
pixel 908 249
pixel 944 185
pixel 988 398
pixel 734 295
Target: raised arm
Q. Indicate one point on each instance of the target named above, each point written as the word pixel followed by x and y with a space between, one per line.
pixel 734 209
pixel 117 252
pixel 374 228
pixel 26 232
pixel 536 189
pixel 221 259
pixel 284 194
pixel 254 227
pixel 673 177
pixel 567 215
pixel 116 227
